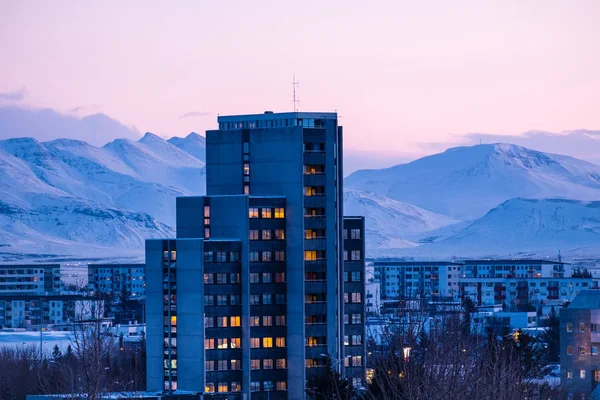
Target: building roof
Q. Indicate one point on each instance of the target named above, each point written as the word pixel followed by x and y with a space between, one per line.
pixel 511 261
pixel 415 263
pixel 269 115
pixel 29 265
pixel 118 265
pixel 586 299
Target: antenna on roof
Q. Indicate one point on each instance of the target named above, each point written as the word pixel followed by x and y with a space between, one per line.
pixel 295 100
pixel 559 256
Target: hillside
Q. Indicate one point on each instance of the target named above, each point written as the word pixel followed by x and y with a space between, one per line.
pixel 521 227
pixel 466 182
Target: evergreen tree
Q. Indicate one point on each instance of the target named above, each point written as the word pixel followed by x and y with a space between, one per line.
pixel 56 353
pixel 550 338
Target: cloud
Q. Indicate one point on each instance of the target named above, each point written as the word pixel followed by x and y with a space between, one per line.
pixel 83 108
pixel 194 114
pixel 15 95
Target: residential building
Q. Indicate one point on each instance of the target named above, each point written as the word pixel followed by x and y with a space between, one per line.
pixel 401 280
pixel 265 280
pixel 580 346
pixel 31 279
pixel 515 268
pixel 113 279
pixel 25 311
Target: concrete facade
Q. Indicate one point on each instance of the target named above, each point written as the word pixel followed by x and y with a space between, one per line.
pixel 272 262
pixel 580 346
pixel 114 278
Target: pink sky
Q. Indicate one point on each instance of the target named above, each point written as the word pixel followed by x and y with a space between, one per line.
pixel 399 73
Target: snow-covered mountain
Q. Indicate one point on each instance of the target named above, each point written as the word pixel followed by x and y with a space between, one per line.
pixel 389 222
pixel 466 182
pixel 69 197
pixel 193 144
pixel 522 227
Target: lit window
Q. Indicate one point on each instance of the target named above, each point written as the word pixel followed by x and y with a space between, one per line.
pixel 280 255
pixel 279 234
pixel 236 386
pixel 206 233
pixel 267 364
pixel 581 327
pixel 222 343
pixel 267 342
pixel 582 374
pixel 209 344
pixel 210 387
pixel 222 322
pixel 254 234
pixel 280 320
pixel 206 211
pixel 267 320
pixel 254 321
pixel 280 277
pixel 254 343
pixel 247 191
pixel 253 212
pixel 267 213
pixel 254 364
pixel 267 256
pixel 280 341
pixel 254 386
pixel 281 386
pixel 236 365
pixel 223 387
pixel 569 350
pixel 209 365
pixel 236 343
pixel 355 234
pixel 581 351
pixel 355 255
pixel 356 361
pixel 246 169
pixel 280 363
pixel 266 234
pixel 279 213
pixel 234 321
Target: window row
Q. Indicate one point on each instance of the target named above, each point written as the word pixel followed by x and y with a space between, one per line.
pixel 582 350
pixel 353 276
pixel 223 387
pixel 267 234
pixel 221 256
pixel 354 234
pixel 254 212
pixel 267 256
pixel 352 319
pixel 267 342
pixel 314 190
pixel 593 327
pixel 267 298
pixel 267 363
pixel 221 278
pixel 267 320
pixel 596 374
pixel 222 300
pixel 354 255
pixel 222 322
pixel 267 277
pixel 355 297
pixel 314 255
pixel 352 340
pixel 222 344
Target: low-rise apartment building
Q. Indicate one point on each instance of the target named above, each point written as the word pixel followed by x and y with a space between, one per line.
pixel 30 279
pixel 113 279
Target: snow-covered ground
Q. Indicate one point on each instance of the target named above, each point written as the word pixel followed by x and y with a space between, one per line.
pixel 32 339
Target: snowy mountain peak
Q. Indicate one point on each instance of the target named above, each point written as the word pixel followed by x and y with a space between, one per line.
pixel 150 137
pixel 466 182
pixel 193 144
pixel 193 136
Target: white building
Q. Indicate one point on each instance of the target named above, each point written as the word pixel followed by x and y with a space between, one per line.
pixel 114 278
pixel 418 279
pixel 30 279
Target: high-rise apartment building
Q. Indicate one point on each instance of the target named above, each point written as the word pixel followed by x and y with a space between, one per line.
pixel 265 280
